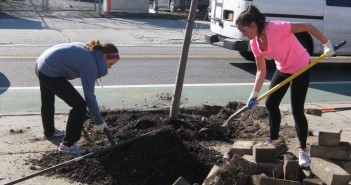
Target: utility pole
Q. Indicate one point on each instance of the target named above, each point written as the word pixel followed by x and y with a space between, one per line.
pixel 182 63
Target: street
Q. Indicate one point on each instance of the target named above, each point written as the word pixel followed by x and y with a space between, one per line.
pixel 213 76
pixel 150 52
pixel 143 79
pixel 141 65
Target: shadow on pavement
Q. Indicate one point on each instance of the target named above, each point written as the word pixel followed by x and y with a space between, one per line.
pixel 250 67
pixel 4 83
pixel 13 22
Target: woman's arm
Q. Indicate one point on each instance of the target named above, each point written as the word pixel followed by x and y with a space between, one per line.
pixel 88 83
pixel 297 27
pixel 260 74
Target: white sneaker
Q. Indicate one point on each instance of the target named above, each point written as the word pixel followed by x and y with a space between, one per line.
pixel 63 149
pixel 304 159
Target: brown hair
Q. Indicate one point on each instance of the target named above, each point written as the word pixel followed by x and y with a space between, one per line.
pixel 109 49
pixel 251 14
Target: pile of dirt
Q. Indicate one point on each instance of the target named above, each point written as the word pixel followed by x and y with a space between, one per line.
pixel 164 150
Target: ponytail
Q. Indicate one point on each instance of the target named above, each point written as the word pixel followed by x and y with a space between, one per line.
pixel 251 14
pixel 109 49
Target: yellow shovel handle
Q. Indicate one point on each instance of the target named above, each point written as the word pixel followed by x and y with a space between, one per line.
pixel 314 62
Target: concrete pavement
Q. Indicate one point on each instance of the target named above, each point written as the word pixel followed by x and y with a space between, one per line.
pixel 25 141
pixel 49 30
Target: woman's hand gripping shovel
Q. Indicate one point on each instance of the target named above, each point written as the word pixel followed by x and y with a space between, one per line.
pixel 106 131
pixel 275 88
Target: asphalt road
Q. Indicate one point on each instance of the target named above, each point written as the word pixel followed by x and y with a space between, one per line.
pixel 141 65
pixel 145 78
pixel 150 52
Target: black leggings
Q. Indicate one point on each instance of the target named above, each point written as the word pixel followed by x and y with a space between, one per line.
pixel 60 86
pixel 298 90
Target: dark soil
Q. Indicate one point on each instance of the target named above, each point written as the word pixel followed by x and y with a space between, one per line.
pixel 156 150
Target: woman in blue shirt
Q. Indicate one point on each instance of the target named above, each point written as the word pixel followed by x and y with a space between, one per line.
pixel 60 63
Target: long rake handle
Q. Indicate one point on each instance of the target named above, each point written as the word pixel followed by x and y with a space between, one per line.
pixel 96 153
pixel 336 109
pixel 333 109
pixel 284 82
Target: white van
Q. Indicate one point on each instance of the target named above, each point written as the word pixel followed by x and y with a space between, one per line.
pixel 331 17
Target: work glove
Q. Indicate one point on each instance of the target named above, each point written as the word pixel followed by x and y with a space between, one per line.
pixel 252 100
pixel 100 127
pixel 329 49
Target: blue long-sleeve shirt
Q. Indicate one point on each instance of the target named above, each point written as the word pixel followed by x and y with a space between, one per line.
pixel 73 60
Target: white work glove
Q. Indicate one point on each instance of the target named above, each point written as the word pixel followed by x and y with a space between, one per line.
pixel 328 49
pixel 100 127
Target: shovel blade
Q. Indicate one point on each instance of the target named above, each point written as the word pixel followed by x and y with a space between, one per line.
pixel 225 124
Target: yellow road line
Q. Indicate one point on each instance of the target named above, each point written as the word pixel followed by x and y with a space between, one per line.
pixel 158 56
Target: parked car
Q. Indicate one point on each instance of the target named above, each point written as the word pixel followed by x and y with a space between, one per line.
pixel 175 5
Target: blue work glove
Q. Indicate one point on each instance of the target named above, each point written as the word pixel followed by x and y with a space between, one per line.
pixel 252 100
pixel 329 49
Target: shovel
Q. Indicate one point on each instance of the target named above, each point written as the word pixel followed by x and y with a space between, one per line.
pixel 319 111
pixel 109 137
pixel 281 84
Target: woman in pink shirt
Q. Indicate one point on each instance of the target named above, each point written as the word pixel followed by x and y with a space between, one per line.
pixel 276 40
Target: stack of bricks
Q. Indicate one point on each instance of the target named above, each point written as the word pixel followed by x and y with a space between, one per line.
pixel 288 171
pixel 284 172
pixel 324 155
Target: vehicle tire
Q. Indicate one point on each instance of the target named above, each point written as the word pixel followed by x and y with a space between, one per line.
pixel 172 7
pixel 247 55
pixel 154 5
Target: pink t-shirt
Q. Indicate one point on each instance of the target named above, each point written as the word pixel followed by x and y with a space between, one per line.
pixel 282 46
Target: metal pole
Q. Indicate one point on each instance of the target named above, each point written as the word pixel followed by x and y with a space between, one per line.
pixel 99 7
pixel 156 7
pixel 43 5
pixel 182 63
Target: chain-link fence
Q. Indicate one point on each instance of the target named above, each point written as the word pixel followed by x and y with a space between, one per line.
pixel 49 5
pixel 22 5
pixel 70 5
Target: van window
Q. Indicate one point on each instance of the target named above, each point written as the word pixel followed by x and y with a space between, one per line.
pixel 344 3
pixel 228 15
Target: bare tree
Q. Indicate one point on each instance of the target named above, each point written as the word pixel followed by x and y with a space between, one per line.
pixel 182 63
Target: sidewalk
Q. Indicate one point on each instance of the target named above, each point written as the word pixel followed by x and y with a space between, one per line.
pixel 50 30
pixel 21 134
